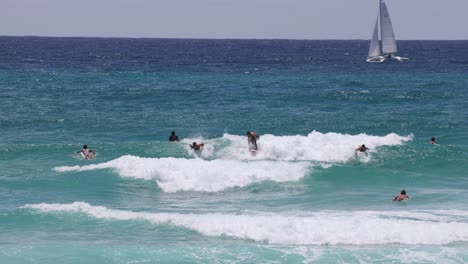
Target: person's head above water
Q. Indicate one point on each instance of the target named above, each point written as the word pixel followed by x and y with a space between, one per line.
pixel 194 143
pixel 403 192
pixel 363 146
pixel 85 146
pixel 173 133
pixel 248 132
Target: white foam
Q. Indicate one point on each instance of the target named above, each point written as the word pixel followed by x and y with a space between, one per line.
pixel 179 174
pixel 316 146
pixel 318 228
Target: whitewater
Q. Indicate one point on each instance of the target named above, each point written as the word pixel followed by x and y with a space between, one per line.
pixel 280 159
pixel 305 228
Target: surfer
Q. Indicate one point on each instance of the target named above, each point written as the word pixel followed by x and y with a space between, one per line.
pixel 173 137
pixel 252 138
pixel 433 141
pixel 402 196
pixel 87 153
pixel 196 146
pixel 362 148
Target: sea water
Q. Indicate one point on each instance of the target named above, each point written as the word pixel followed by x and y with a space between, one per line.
pixel 304 197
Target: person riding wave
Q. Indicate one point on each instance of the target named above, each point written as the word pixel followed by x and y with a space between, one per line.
pixel 252 138
pixel 196 146
pixel 362 148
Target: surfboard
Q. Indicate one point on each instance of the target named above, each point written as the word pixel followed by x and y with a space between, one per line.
pixel 252 148
pixel 89 156
pixel 361 157
pixel 361 154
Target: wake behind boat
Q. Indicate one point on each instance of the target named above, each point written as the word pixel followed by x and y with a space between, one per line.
pixel 385 48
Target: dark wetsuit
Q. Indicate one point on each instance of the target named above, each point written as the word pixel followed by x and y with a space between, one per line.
pixel 173 138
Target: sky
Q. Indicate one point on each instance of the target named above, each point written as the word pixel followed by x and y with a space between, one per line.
pixel 251 19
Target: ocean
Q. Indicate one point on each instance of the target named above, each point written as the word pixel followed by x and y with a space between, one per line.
pixel 304 197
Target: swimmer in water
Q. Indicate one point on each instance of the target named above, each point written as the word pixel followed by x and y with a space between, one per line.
pixel 86 152
pixel 173 137
pixel 433 141
pixel 400 197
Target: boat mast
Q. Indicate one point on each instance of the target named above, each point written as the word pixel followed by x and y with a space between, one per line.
pixel 380 25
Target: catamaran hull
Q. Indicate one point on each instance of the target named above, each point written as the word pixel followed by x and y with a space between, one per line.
pixel 384 58
pixel 399 58
pixel 376 59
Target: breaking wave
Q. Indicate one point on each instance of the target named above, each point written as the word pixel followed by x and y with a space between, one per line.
pixel 180 174
pixel 296 228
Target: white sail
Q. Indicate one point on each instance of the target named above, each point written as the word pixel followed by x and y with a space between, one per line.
pixel 388 37
pixel 374 48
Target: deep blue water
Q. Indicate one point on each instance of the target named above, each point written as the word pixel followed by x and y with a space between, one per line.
pixel 305 196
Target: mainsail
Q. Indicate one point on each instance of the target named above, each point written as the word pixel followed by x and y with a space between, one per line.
pixel 386 28
pixel 374 49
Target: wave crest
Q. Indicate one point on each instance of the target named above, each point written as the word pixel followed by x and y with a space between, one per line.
pixel 319 228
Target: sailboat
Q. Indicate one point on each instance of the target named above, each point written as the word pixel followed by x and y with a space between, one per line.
pixel 386 48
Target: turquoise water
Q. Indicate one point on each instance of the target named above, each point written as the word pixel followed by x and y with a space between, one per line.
pixel 304 197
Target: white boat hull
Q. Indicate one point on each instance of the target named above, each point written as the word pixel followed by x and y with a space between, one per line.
pixel 376 59
pixel 399 58
pixel 386 58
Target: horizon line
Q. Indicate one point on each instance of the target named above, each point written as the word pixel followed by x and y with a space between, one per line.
pixel 216 38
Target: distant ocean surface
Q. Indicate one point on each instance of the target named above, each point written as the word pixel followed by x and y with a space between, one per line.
pixel 304 197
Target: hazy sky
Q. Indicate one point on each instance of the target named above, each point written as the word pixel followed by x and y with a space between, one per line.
pixel 290 19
